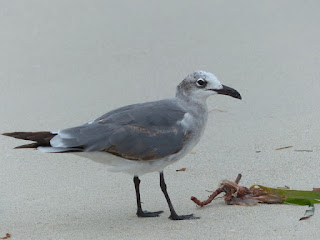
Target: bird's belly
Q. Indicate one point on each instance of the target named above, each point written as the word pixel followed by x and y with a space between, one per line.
pixel 132 167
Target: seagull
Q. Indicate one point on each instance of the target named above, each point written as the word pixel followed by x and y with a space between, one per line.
pixel 140 138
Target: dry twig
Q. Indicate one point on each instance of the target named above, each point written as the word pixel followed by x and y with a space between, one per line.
pixel 181 169
pixel 239 195
pixel 214 194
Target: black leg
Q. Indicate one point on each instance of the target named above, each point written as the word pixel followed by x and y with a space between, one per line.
pixel 173 215
pixel 141 213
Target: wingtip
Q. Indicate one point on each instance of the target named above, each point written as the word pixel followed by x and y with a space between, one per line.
pixel 9 134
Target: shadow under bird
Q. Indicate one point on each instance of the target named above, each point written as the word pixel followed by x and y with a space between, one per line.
pixel 140 138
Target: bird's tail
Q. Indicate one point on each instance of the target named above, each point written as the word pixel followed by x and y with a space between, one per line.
pixel 41 139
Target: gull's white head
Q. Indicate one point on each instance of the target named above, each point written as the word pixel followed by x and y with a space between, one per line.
pixel 200 85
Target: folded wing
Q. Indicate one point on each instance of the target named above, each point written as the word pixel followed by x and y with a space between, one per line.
pixel 145 131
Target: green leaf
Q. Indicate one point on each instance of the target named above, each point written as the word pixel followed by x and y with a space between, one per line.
pixel 299 201
pixel 287 193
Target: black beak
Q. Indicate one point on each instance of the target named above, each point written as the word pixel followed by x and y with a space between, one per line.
pixel 228 91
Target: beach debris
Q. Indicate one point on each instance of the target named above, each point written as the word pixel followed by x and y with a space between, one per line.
pixel 8 235
pixel 281 148
pixel 181 169
pixel 239 195
pixel 192 152
pixel 303 150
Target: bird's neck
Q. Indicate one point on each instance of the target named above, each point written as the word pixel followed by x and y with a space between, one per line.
pixel 196 106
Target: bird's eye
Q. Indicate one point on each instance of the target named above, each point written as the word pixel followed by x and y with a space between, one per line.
pixel 201 82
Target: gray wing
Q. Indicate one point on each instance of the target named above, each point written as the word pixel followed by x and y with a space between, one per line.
pixel 145 131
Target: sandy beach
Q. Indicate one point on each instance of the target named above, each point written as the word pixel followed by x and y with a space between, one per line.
pixel 64 63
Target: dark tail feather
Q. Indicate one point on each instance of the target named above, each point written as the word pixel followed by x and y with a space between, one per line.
pixel 40 138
